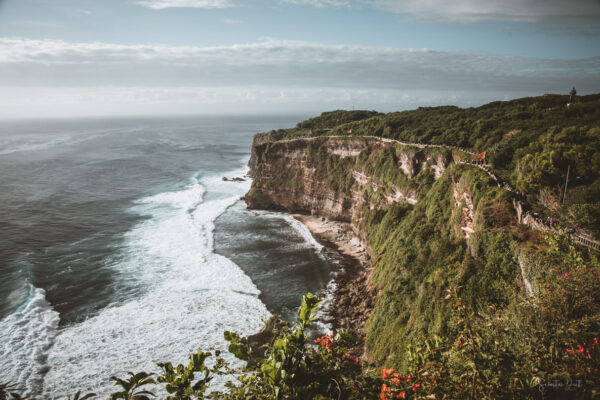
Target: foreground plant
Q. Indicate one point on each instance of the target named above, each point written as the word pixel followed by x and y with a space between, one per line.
pixel 132 387
pixel 293 368
pixel 536 349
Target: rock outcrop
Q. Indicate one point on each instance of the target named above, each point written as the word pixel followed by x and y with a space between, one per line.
pixel 300 176
pixel 286 175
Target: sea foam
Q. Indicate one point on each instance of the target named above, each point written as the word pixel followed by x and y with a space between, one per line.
pixel 26 337
pixel 186 297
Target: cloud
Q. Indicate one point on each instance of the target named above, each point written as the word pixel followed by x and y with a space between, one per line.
pixel 232 21
pixel 162 4
pixel 275 62
pixel 304 74
pixel 320 3
pixel 492 10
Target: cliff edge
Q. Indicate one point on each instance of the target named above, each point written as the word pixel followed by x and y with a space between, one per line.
pixel 434 205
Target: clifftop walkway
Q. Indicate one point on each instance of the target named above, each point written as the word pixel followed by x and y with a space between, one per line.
pixel 524 217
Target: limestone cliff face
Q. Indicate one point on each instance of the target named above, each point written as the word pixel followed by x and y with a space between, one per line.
pixel 293 175
pixel 422 222
pixel 282 179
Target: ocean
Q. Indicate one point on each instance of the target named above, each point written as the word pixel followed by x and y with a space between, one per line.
pixel 122 246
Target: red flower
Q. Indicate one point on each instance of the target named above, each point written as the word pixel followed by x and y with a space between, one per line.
pixel 580 349
pixel 458 343
pixel 415 386
pixel 326 341
pixel 385 373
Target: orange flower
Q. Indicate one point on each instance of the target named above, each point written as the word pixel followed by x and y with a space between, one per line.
pixel 384 389
pixel 401 395
pixel 458 343
pixel 385 373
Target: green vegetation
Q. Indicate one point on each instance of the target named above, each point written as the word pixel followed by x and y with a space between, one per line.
pixel 530 143
pixel 487 354
pixel 317 126
pixel 293 367
pixel 507 311
pixel 331 119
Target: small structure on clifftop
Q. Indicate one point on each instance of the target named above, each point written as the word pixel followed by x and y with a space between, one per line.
pixel 572 94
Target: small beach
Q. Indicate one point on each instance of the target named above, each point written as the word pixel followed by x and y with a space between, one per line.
pixel 353 296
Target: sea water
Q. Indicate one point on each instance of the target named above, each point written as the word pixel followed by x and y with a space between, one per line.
pixel 122 246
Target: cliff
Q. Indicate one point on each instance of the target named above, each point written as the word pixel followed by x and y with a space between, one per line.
pixel 334 177
pixel 429 218
pixel 373 184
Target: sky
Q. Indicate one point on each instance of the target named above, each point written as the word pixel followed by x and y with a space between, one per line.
pixel 77 58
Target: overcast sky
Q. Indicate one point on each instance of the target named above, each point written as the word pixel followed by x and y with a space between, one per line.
pixel 150 57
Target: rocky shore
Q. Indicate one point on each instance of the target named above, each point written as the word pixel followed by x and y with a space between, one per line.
pixel 353 295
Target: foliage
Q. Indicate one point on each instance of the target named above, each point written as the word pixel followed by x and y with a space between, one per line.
pixel 488 352
pixel 418 251
pixel 179 380
pixel 79 396
pixel 451 319
pixel 132 386
pixel 10 391
pixel 332 119
pixel 294 367
pixel 530 142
